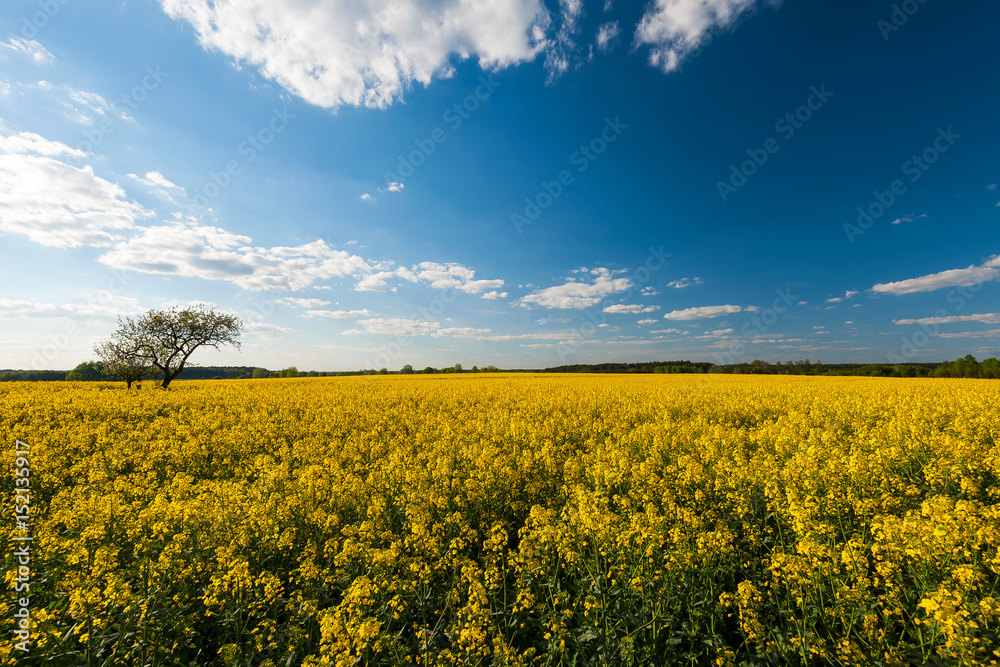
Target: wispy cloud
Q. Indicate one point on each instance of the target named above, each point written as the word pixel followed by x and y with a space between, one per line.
pixel 684 282
pixel 985 318
pixel 631 308
pixel 339 314
pixel 703 312
pixel 29 49
pixel 971 275
pixel 674 28
pixel 606 35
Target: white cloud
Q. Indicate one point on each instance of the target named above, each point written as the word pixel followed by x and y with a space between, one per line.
pixel 266 330
pixel 453 276
pixel 985 318
pixel 849 294
pixel 562 46
pixel 93 307
pixel 461 332
pixel 211 253
pixel 577 294
pixel 394 186
pixel 971 275
pixel 992 333
pixel 393 327
pixel 302 303
pixel 155 180
pixel 607 34
pixel 648 321
pixel 365 54
pixel 84 108
pixel 907 218
pixel 338 314
pixel 684 282
pixel 26 143
pixel 702 313
pixel 376 282
pixel 674 28
pixel 666 331
pixel 634 309
pixel 57 204
pixel 159 184
pixel 440 276
pixel 367 197
pixel 30 49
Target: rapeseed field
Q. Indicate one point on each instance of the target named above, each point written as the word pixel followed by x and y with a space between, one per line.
pixel 506 520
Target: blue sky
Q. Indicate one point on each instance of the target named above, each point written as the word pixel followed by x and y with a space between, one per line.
pixel 519 183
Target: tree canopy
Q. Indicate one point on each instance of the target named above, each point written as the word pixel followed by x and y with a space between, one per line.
pixel 118 359
pixel 165 339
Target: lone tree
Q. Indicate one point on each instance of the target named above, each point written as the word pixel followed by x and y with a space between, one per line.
pixel 118 359
pixel 164 339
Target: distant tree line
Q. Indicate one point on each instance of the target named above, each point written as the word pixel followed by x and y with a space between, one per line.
pixel 966 367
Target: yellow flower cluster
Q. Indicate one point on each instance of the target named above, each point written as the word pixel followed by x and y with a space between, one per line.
pixel 509 520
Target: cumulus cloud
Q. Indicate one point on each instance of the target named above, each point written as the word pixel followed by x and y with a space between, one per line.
pixel 338 52
pixel 702 312
pixel 440 276
pixel 211 253
pixel 578 294
pixel 55 203
pixel 674 28
pixel 970 275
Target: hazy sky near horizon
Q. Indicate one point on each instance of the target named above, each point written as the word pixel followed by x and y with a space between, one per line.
pixel 519 183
